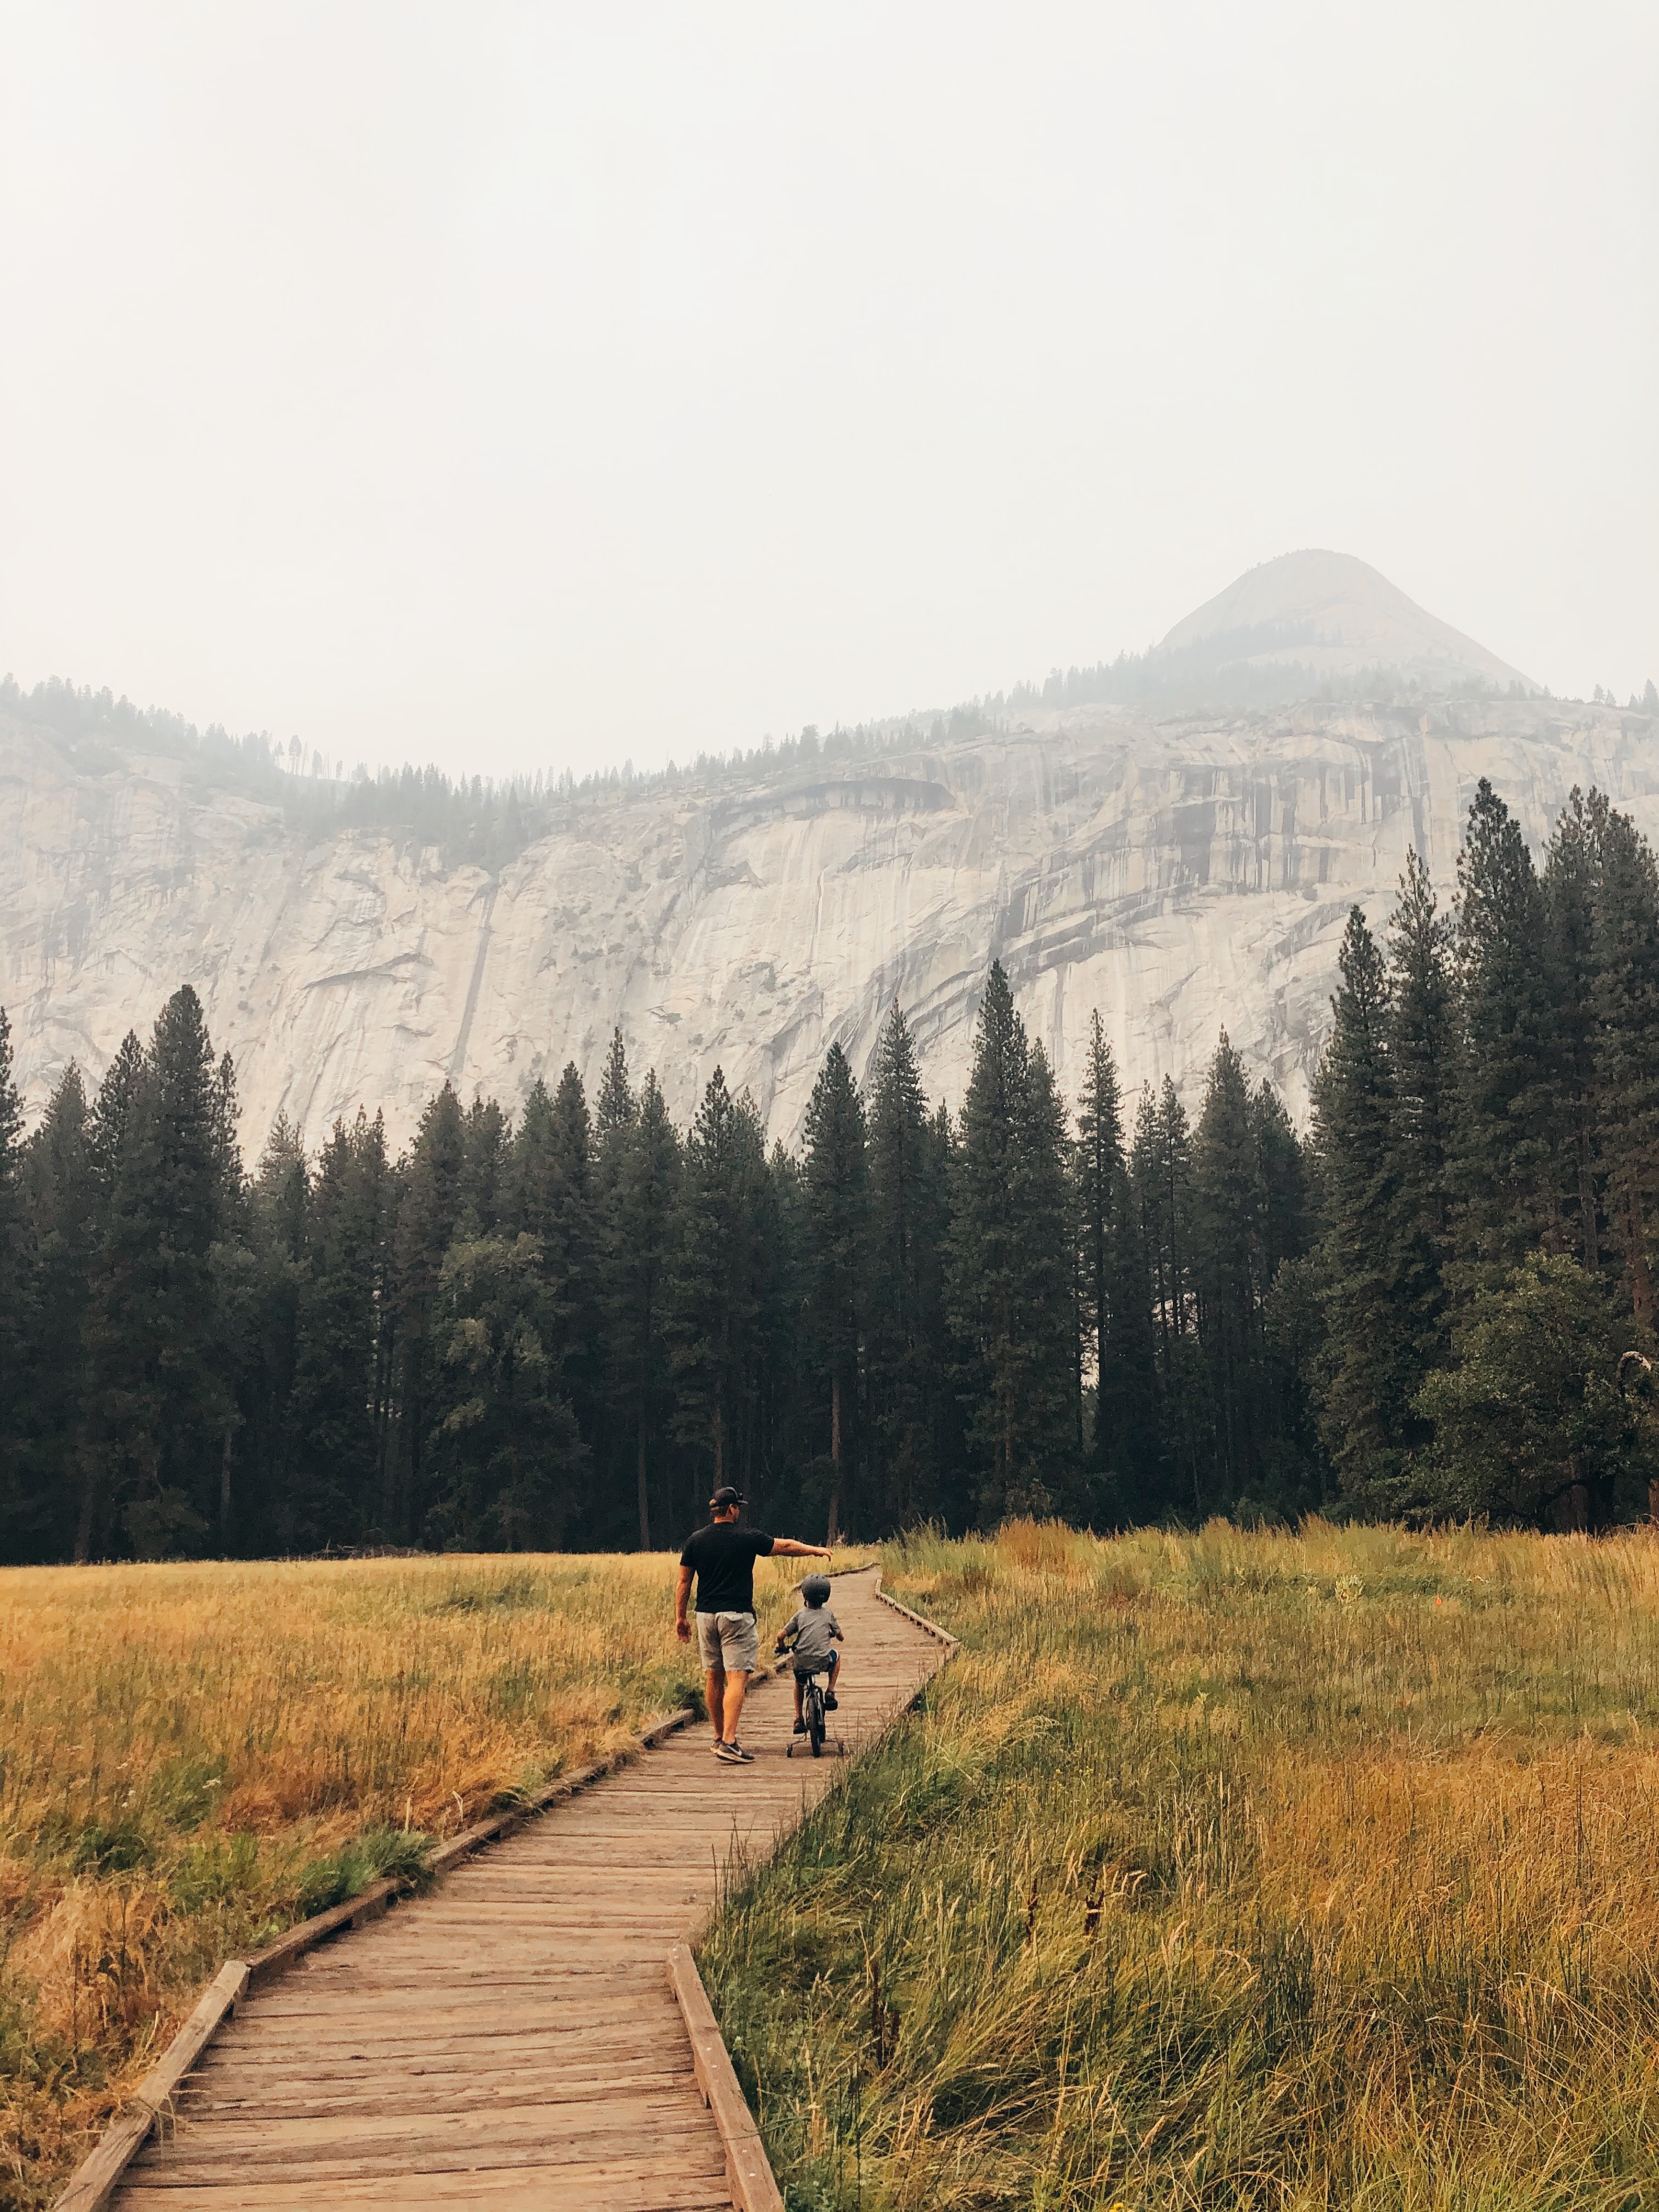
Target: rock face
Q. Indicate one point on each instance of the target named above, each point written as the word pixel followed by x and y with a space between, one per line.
pixel 1181 877
pixel 1332 616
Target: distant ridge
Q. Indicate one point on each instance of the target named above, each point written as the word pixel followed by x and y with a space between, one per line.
pixel 1332 618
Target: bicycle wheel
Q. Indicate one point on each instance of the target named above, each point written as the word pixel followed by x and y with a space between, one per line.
pixel 814 1703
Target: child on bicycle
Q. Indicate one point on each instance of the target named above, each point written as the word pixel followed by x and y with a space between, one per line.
pixel 810 1639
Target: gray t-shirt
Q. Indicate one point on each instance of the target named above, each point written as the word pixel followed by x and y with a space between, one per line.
pixel 811 1630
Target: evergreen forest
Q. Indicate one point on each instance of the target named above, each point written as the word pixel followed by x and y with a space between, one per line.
pixel 560 1330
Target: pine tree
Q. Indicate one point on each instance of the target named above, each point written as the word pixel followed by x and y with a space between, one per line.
pixel 1008 1273
pixel 17 1289
pixel 1147 1186
pixel 1047 1197
pixel 1365 1379
pixel 1228 1205
pixel 169 1210
pixel 486 1142
pixel 836 1212
pixel 557 1204
pixel 506 1454
pixel 715 1307
pixel 906 1355
pixel 616 1105
pixel 284 1513
pixel 618 1453
pixel 1505 1154
pixel 1100 1167
pixel 1625 1006
pixel 1422 1048
pixel 109 1441
pixel 1137 1490
pixel 789 1473
pixel 641 1255
pixel 1532 1423
pixel 427 1220
pixel 1162 1179
pixel 337 1381
pixel 51 1388
pixel 1570 888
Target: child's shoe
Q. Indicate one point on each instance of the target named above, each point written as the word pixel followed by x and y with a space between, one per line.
pixel 800 1728
pixel 830 1702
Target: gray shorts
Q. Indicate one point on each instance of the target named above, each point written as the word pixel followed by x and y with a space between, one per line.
pixel 728 1641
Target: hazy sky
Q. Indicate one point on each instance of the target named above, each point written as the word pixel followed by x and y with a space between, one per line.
pixel 537 386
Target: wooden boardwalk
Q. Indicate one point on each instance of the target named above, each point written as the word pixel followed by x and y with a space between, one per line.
pixel 512 2037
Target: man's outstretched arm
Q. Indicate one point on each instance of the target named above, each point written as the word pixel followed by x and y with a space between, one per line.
pixel 787 1547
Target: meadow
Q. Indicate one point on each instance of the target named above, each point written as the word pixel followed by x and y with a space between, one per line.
pixel 1231 1870
pixel 193 1757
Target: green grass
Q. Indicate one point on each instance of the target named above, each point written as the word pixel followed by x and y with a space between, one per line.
pixel 1242 1870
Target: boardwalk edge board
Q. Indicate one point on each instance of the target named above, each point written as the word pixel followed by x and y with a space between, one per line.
pixel 94 2181
pixel 748 2170
pixel 952 1644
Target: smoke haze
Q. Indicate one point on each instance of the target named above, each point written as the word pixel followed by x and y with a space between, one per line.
pixel 528 388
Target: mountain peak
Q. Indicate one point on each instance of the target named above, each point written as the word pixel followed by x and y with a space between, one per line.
pixel 1335 617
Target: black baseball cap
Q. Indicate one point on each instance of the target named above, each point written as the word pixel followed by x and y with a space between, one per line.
pixel 726 1496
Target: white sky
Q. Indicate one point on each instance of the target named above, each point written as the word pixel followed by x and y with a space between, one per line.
pixel 531 387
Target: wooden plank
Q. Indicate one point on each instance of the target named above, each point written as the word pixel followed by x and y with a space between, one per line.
pixel 366 2024
pixel 601 2143
pixel 242 2140
pixel 428 2090
pixel 693 2178
pixel 659 2042
pixel 94 2179
pixel 454 1968
pixel 747 2167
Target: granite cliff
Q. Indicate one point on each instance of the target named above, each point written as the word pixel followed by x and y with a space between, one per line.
pixel 1182 876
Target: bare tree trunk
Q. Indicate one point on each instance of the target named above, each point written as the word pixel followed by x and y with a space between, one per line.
pixel 644 1507
pixel 89 1506
pixel 224 1490
pixel 833 1536
pixel 1586 1222
pixel 1635 1258
pixel 1577 1500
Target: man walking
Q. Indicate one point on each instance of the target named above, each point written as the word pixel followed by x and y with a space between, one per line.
pixel 723 1557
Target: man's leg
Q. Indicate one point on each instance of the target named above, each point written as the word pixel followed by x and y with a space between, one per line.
pixel 735 1684
pixel 715 1681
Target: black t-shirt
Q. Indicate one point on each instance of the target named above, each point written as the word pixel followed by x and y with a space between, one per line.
pixel 722 1557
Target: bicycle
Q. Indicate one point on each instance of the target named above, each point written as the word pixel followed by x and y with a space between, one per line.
pixel 811 1711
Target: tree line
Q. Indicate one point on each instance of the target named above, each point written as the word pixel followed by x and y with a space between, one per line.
pixel 1487 1132
pixel 562 1330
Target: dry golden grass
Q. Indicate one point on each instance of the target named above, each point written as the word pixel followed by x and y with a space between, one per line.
pixel 192 1756
pixel 1235 1870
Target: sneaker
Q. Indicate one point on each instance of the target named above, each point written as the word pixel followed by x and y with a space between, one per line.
pixel 831 1704
pixel 800 1728
pixel 729 1753
pixel 735 1751
pixel 717 1747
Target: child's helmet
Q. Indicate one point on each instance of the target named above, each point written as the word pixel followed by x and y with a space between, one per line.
pixel 815 1589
